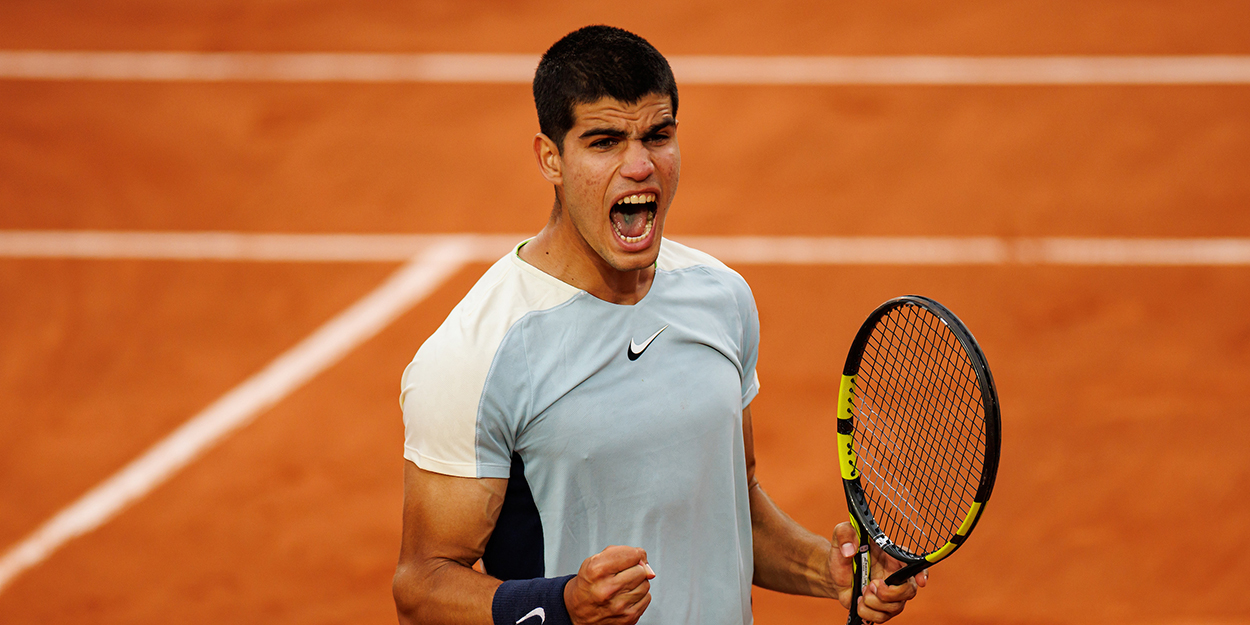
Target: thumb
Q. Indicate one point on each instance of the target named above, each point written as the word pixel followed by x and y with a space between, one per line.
pixel 617 558
pixel 845 541
pixel 841 568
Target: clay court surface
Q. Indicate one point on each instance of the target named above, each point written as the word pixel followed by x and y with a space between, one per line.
pixel 1124 491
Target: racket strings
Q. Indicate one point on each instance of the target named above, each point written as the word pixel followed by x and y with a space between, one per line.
pixel 950 349
pixel 920 428
pixel 910 398
pixel 894 491
pixel 925 368
pixel 932 357
pixel 901 492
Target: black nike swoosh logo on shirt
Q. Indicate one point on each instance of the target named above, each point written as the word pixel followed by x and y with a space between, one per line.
pixel 636 350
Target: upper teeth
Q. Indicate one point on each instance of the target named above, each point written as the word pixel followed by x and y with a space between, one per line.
pixel 638 198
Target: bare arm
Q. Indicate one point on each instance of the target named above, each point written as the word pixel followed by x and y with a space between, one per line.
pixel 447 521
pixel 788 557
pixel 791 559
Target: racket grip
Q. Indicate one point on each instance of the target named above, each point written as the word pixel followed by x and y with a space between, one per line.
pixel 861 570
pixel 860 563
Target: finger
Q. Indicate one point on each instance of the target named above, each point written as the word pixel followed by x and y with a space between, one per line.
pixel 872 615
pixel 893 594
pixel 613 596
pixel 629 579
pixel 616 559
pixel 869 614
pixel 922 579
pixel 842 552
pixel 630 605
pixel 631 596
pixel 845 540
pixel 623 556
pixel 634 612
pixel 876 600
pixel 883 564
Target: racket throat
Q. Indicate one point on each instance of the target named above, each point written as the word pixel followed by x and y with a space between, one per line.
pixel 911 570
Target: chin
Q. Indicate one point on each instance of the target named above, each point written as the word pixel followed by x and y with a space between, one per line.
pixel 634 260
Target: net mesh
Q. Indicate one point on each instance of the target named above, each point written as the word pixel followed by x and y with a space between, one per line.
pixel 919 428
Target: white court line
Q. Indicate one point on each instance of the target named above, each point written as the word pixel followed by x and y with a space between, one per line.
pixel 856 250
pixel 1070 251
pixel 962 70
pixel 324 347
pixel 1125 252
pixel 236 246
pixel 708 70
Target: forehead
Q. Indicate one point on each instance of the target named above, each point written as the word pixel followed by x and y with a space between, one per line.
pixel 611 112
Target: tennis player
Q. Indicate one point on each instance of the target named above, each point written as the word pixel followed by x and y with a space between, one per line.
pixel 581 422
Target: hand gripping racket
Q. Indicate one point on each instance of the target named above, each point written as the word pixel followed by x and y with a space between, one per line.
pixel 918 437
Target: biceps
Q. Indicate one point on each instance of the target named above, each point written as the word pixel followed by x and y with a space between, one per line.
pixel 448 518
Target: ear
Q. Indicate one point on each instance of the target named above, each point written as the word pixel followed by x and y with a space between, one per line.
pixel 549 161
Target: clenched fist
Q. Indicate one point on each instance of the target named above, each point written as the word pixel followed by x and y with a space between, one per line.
pixel 611 588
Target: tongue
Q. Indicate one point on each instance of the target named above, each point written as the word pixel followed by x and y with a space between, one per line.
pixel 630 222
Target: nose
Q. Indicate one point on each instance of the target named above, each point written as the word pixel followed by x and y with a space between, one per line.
pixel 638 165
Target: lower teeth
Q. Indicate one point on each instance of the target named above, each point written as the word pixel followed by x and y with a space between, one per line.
pixel 645 232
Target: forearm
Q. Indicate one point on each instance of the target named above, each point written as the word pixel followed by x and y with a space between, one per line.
pixel 788 557
pixel 443 592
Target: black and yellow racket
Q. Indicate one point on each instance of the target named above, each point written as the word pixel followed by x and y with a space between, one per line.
pixel 918 437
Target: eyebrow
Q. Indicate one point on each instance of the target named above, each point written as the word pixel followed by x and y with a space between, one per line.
pixel 620 134
pixel 603 132
pixel 668 122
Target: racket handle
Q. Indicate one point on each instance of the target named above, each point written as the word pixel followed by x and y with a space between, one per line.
pixel 861 571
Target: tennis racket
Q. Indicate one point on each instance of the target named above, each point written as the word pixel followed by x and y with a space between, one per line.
pixel 918 437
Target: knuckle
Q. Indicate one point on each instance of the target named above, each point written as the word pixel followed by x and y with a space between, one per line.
pixel 622 602
pixel 637 608
pixel 635 611
pixel 602 595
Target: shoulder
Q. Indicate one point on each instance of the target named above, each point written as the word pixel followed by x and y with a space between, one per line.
pixel 676 257
pixel 449 371
pixel 442 387
pixel 504 295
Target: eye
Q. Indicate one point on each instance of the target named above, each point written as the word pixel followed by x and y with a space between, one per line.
pixel 659 138
pixel 605 142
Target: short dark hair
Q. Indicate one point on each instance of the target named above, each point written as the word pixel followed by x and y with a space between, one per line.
pixel 591 63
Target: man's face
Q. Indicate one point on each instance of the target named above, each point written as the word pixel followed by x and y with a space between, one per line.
pixel 618 175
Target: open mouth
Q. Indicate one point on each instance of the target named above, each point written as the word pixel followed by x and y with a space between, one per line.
pixel 633 217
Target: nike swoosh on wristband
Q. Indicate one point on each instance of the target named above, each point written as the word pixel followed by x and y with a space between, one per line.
pixel 636 350
pixel 539 612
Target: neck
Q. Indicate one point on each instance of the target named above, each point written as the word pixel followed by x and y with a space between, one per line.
pixel 560 252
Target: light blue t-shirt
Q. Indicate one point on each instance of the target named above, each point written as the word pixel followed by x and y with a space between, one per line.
pixel 628 419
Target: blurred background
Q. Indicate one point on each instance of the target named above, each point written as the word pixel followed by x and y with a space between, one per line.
pixel 1124 491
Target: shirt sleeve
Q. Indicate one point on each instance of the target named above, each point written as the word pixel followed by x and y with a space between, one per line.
pixel 467 391
pixel 750 345
pixel 454 422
